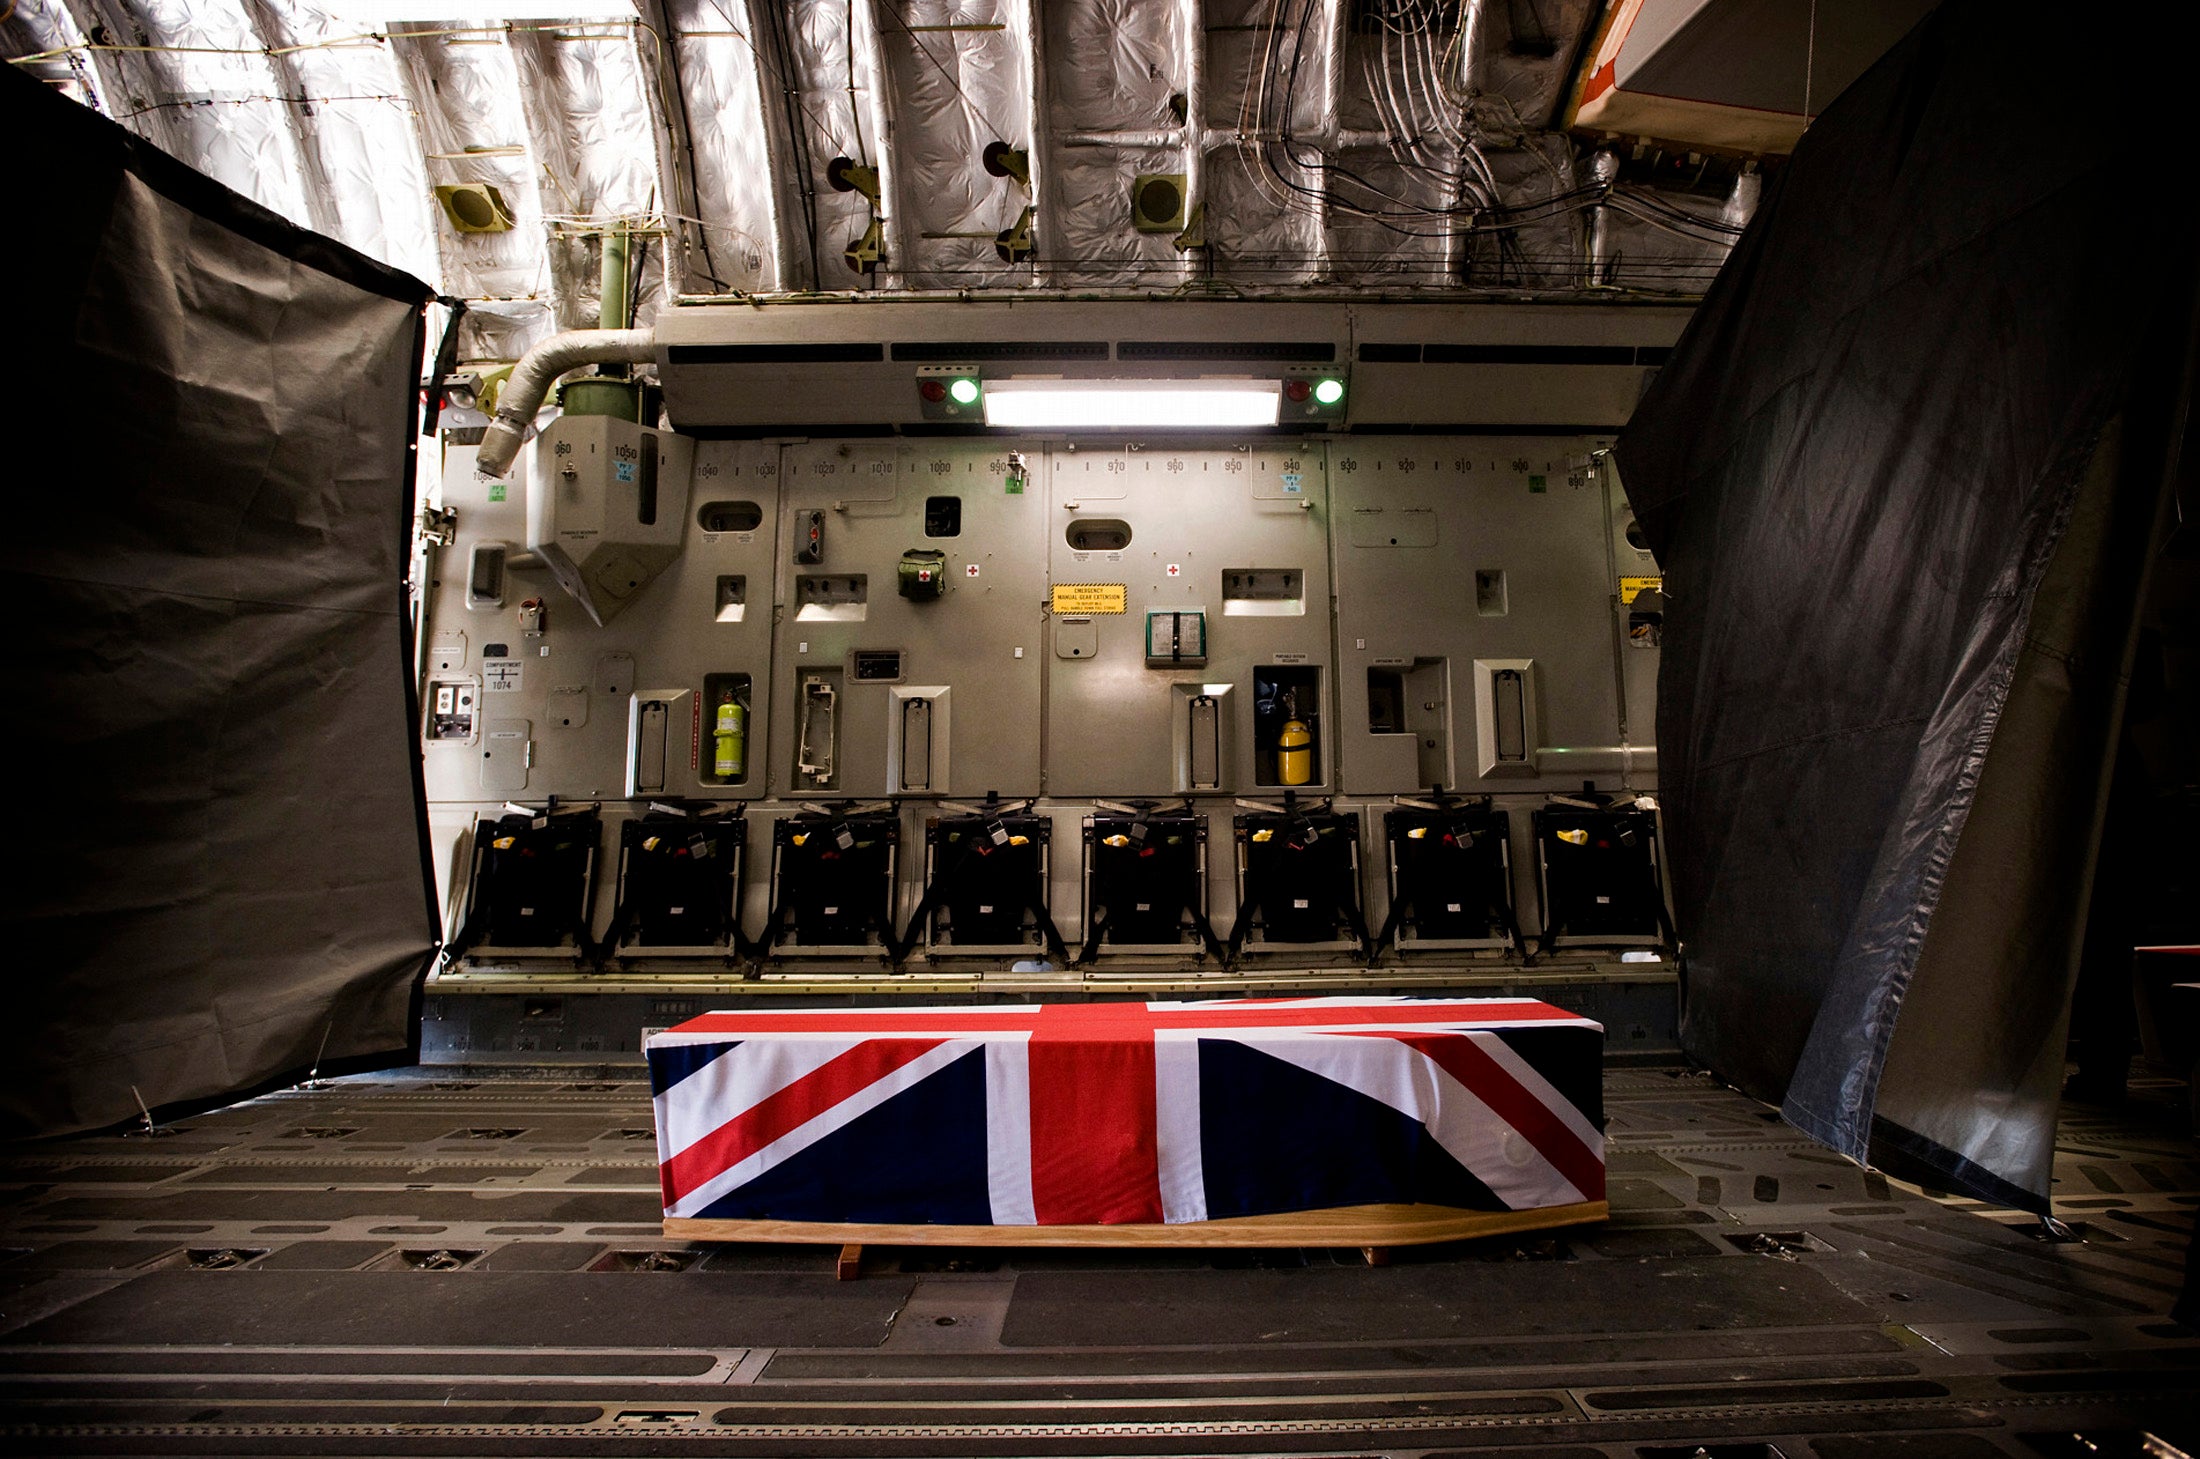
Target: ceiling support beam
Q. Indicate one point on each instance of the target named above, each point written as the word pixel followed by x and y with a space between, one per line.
pixel 273 32
pixel 663 93
pixel 1192 17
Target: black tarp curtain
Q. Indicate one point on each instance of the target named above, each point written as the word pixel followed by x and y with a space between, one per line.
pixel 1903 474
pixel 219 871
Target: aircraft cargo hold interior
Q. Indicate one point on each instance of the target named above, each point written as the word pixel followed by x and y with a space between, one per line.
pixel 1326 727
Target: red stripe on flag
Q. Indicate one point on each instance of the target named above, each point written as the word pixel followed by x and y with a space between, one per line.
pixel 1095 1150
pixel 786 1110
pixel 1489 1081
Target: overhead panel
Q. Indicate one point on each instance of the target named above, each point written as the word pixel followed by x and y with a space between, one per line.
pixel 818 366
pixel 1730 75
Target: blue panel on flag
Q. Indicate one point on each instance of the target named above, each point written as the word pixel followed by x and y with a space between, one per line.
pixel 918 1157
pixel 1571 1061
pixel 1338 1148
pixel 671 1063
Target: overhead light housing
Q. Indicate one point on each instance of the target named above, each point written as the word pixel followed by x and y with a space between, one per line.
pixel 1132 404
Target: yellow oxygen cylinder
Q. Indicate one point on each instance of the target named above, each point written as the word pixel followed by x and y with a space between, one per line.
pixel 1295 753
pixel 731 732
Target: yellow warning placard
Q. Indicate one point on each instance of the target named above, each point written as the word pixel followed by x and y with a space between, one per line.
pixel 1083 598
pixel 1632 588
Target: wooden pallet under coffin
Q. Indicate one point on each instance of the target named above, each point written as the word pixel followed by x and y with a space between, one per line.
pixel 1376 1225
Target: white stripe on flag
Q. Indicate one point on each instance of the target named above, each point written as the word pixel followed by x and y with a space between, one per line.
pixel 1524 1073
pixel 1176 1127
pixel 1411 1083
pixel 743 1076
pixel 1008 1132
pixel 870 1097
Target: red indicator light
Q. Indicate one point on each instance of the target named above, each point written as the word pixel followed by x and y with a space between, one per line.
pixel 932 390
pixel 1296 391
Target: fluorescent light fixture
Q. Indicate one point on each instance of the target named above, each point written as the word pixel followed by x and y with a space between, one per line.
pixel 1192 404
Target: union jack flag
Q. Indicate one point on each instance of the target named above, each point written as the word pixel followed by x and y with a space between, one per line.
pixel 1106 1113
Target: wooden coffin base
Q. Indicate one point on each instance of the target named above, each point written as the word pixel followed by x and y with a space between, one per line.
pixel 1364 1226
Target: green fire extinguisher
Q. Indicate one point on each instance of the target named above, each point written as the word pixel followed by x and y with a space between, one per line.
pixel 731 732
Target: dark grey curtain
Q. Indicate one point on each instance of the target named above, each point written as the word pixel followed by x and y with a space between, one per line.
pixel 1902 473
pixel 220 869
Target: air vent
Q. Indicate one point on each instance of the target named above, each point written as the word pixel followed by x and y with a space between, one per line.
pixel 1296 352
pixel 937 352
pixel 475 207
pixel 1528 354
pixel 1157 202
pixel 775 354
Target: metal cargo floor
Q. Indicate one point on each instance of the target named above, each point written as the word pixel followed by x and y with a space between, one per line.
pixel 468 1263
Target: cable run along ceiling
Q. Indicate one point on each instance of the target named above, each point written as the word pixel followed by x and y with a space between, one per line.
pixel 1162 146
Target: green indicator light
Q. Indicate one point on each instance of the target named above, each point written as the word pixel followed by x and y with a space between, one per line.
pixel 1329 392
pixel 964 391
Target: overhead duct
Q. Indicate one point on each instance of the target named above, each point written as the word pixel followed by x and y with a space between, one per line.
pixel 871 366
pixel 538 369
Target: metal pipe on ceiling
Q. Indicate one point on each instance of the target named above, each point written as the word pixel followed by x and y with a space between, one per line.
pixel 1472 14
pixel 894 260
pixel 1334 20
pixel 794 251
pixel 1192 15
pixel 1603 172
pixel 1469 41
pixel 1037 163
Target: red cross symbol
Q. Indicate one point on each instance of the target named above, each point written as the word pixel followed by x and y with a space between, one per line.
pixel 1174 569
pixel 971 570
